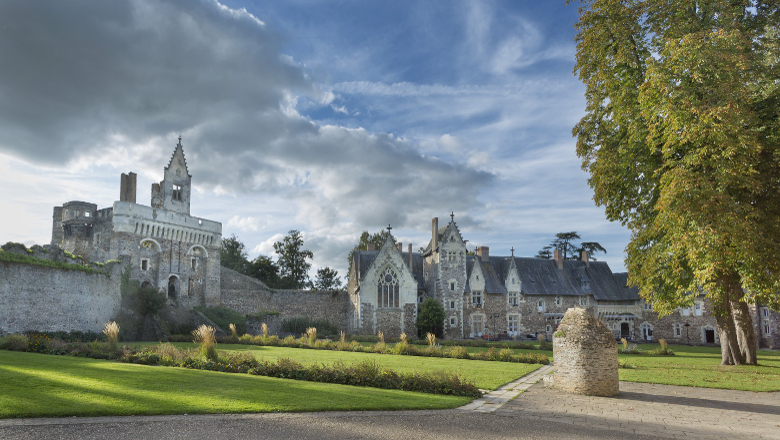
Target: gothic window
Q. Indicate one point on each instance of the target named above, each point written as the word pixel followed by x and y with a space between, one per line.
pixel 387 290
pixel 765 326
pixel 512 298
pixel 177 192
pixel 584 301
pixel 648 306
pixel 476 298
pixel 764 312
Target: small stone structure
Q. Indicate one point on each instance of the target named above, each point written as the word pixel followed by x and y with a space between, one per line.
pixel 585 354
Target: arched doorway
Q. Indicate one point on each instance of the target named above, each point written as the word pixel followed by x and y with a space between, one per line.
pixel 146 284
pixel 173 287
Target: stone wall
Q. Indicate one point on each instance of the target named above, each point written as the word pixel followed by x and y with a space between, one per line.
pixel 585 354
pixel 47 299
pixel 247 295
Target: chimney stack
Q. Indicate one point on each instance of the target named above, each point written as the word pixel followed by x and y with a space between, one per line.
pixel 585 258
pixel 435 233
pixel 400 246
pixel 558 259
pixel 410 257
pixel 484 253
pixel 127 188
pixel 370 247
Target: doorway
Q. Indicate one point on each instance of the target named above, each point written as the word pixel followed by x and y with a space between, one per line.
pixel 709 336
pixel 173 287
pixel 625 331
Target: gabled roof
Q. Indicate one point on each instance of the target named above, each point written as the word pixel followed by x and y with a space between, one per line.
pixel 179 152
pixel 440 233
pixel 366 260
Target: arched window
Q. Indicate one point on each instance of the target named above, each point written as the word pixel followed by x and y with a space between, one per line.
pixel 387 290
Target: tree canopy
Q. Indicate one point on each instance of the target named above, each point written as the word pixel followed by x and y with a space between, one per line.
pixel 377 239
pixel 680 139
pixel 292 261
pixel 431 317
pixel 564 241
pixel 233 254
pixel 327 279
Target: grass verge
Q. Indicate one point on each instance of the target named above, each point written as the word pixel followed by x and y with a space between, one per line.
pixel 36 385
pixel 485 374
pixel 700 367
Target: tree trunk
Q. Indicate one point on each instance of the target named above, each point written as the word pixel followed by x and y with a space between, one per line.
pixel 729 345
pixel 745 335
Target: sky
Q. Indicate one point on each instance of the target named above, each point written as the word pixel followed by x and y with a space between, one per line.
pixel 329 117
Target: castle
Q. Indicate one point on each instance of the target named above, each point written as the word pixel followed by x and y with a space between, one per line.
pixel 165 246
pixel 508 296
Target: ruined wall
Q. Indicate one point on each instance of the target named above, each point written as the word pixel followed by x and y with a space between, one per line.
pixel 47 299
pixel 247 295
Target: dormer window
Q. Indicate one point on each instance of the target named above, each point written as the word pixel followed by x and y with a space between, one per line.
pixel 177 193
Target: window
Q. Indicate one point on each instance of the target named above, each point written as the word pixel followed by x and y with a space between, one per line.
pixel 558 301
pixel 514 321
pixel 764 312
pixel 477 277
pixel 477 324
pixel 144 264
pixel 584 301
pixel 476 297
pixel 697 309
pixel 548 328
pixel 765 326
pixel 194 263
pixel 453 322
pixel 177 192
pixel 420 299
pixel 452 286
pixel 512 298
pixel 540 306
pixel 387 289
pixel 686 311
pixel 452 305
pixel 677 330
pixel 97 239
pixel 86 213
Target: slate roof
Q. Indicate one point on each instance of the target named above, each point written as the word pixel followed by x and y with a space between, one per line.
pixel 542 277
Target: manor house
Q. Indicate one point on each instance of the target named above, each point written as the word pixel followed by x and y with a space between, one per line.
pixel 165 246
pixel 510 296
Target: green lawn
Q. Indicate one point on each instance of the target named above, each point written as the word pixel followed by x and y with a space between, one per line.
pixel 37 385
pixel 700 367
pixel 485 374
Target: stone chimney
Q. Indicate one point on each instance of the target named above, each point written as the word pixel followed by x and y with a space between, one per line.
pixel 558 259
pixel 370 247
pixel 127 188
pixel 400 246
pixel 484 253
pixel 435 233
pixel 585 258
pixel 410 257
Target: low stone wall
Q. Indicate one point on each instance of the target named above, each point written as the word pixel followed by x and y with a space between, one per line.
pixel 48 299
pixel 585 354
pixel 246 295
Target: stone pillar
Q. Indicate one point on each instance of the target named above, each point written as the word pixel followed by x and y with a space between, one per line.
pixel 585 355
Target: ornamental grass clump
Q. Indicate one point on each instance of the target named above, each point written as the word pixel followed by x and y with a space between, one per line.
pixel 543 344
pixel 205 336
pixel 663 350
pixel 264 329
pixel 380 347
pixel 311 335
pixel 233 333
pixel 111 330
pixel 431 338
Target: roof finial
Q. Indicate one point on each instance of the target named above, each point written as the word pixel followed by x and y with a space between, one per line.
pixel 180 140
pixel 513 251
pixel 389 228
pixel 452 215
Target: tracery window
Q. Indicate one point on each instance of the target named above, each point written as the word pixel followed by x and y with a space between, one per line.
pixel 387 289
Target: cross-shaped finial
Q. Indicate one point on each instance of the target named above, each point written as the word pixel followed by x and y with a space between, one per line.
pixel 513 251
pixel 452 215
pixel 389 228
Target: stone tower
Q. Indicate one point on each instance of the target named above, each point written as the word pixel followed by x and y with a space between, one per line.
pixel 173 193
pixel 447 266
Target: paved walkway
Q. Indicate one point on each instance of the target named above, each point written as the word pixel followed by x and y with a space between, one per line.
pixel 496 399
pixel 657 410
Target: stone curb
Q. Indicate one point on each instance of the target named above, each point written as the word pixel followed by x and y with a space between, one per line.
pixel 497 398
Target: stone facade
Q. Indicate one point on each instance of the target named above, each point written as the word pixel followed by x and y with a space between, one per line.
pixel 166 247
pixel 586 357
pixel 49 299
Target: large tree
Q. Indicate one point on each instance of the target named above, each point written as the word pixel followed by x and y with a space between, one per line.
pixel 233 254
pixel 680 138
pixel 327 279
pixel 292 261
pixel 565 242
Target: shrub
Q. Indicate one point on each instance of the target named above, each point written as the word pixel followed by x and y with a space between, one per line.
pixel 459 353
pixel 111 330
pixel 204 336
pixel 299 325
pixel 148 300
pixel 223 317
pixel 431 318
pixel 14 342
